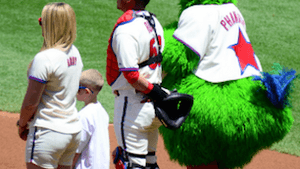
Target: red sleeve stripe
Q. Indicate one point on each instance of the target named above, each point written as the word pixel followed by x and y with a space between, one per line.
pixel 131 76
pixel 149 88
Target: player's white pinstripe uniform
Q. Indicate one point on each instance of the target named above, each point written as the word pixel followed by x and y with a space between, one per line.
pixel 131 43
pixel 136 126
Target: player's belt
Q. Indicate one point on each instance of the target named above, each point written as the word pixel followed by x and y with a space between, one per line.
pixel 146 99
pixel 117 93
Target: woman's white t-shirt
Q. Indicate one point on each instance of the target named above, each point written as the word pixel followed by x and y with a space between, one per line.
pixel 61 72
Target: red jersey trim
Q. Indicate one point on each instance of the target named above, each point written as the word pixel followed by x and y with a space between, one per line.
pixel 112 68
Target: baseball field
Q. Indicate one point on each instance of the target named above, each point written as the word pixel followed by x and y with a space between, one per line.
pixel 13 150
pixel 273 27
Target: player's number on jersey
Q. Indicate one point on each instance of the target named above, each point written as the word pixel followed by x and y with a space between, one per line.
pixel 154 51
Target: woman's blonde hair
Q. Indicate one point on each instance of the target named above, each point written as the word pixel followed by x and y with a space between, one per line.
pixel 58 26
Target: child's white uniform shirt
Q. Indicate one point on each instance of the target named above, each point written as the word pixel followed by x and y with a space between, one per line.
pixel 60 71
pixel 94 145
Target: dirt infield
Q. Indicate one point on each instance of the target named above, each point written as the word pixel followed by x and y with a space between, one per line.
pixel 12 151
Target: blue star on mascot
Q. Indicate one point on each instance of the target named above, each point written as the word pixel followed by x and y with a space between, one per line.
pixel 238 109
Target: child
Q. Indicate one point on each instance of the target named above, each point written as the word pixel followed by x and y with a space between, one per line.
pixel 93 150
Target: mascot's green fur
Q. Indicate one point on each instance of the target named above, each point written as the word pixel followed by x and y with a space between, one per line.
pixel 225 125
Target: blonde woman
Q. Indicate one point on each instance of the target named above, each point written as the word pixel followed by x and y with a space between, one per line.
pixel 50 101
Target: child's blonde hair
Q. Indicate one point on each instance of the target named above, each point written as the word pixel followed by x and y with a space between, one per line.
pixel 92 78
pixel 58 26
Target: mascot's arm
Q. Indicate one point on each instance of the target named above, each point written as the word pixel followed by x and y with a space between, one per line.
pixel 178 60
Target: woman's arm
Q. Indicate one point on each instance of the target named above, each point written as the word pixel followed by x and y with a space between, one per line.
pixel 31 101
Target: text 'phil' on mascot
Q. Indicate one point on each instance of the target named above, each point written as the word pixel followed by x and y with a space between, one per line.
pixel 238 109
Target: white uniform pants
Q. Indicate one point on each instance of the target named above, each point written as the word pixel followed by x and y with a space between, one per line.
pixel 136 126
pixel 48 148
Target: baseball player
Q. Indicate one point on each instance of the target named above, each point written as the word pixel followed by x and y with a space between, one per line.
pixel 54 131
pixel 136 39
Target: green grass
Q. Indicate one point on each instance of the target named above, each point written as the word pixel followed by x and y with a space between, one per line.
pixel 20 40
pixel 272 25
pixel 274 33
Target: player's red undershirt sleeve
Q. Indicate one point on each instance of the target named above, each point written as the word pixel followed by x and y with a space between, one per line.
pixel 133 76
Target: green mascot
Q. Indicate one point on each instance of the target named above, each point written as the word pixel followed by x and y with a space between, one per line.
pixel 238 109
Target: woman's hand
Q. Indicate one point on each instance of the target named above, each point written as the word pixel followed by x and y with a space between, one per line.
pixel 22 131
